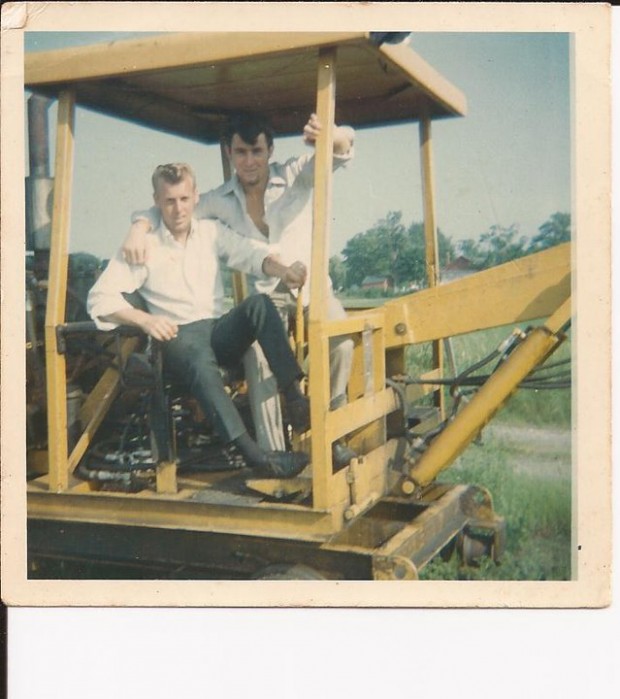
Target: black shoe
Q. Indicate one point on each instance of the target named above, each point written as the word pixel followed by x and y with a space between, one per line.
pixel 342 454
pixel 298 412
pixel 283 464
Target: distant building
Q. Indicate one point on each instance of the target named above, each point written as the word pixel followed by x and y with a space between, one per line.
pixel 409 287
pixel 384 283
pixel 457 269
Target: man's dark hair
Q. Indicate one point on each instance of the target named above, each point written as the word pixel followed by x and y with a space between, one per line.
pixel 248 127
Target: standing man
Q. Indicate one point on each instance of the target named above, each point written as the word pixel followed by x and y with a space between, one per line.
pixel 273 202
pixel 182 287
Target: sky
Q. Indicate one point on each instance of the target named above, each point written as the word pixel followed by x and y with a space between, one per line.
pixel 506 163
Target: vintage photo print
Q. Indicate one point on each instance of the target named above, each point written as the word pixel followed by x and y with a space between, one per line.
pixel 307 311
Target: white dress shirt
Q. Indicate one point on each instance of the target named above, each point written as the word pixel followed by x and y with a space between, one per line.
pixel 288 213
pixel 181 281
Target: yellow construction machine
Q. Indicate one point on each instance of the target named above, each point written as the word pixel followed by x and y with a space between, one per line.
pixel 136 508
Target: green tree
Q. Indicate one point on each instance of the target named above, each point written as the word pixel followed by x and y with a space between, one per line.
pixel 469 248
pixel 503 244
pixel 375 251
pixel 494 247
pixel 412 263
pixel 410 266
pixel 499 244
pixel 552 232
pixel 391 249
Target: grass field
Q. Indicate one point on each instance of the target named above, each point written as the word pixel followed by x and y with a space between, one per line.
pixel 528 472
pixel 525 407
pixel 524 460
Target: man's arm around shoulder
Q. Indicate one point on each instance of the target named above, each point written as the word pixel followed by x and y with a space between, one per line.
pixel 106 304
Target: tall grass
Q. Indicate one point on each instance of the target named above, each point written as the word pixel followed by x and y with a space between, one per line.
pixel 536 507
pixel 525 406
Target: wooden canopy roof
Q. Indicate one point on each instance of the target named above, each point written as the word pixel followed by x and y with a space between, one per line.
pixel 188 83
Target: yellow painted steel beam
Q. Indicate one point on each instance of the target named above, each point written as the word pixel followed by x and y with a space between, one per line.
pixel 326 102
pixel 360 412
pixel 97 404
pixel 107 384
pixel 526 289
pixel 430 236
pixel 318 345
pixel 378 429
pixel 560 318
pixel 91 427
pixel 488 400
pixel 428 196
pixel 56 295
pixel 371 473
pixel 374 472
pixel 423 538
pixel 367 383
pixel 378 360
pixel 369 318
pixel 318 389
pixel 357 379
pixel 147 80
pixel 426 78
pixel 166 477
pixel 184 511
pixel 167 52
pixel 177 512
pixel 354 323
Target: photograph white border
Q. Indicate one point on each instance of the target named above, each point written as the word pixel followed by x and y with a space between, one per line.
pixel 590 26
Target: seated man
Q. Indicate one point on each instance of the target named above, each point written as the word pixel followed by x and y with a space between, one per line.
pixel 271 201
pixel 181 284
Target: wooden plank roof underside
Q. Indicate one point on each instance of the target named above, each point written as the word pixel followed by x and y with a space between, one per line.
pixel 188 84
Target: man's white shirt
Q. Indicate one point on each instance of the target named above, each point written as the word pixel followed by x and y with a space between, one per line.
pixel 180 281
pixel 288 213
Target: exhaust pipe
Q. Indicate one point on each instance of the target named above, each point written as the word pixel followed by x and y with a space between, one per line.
pixel 39 184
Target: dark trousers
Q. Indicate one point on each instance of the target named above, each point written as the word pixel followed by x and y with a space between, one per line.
pixel 195 355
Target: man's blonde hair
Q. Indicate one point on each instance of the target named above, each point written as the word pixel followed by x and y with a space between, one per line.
pixel 172 173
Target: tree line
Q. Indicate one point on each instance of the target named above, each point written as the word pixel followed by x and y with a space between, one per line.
pixel 395 252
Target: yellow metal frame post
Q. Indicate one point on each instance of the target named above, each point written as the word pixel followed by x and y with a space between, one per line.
pixel 57 293
pixel 430 234
pixel 318 343
pixel 525 289
pixel 97 404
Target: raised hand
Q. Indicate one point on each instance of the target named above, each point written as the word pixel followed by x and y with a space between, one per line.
pixel 311 130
